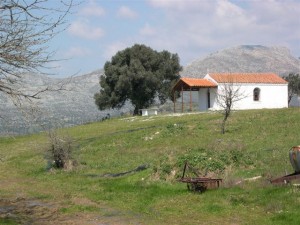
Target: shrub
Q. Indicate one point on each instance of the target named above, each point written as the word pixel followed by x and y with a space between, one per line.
pixel 60 151
pixel 173 129
pixel 216 159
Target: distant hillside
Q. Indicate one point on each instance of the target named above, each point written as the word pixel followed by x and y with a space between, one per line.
pixel 56 109
pixel 245 58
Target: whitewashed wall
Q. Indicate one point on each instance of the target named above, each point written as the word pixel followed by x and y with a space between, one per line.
pixel 213 97
pixel 271 96
pixel 203 99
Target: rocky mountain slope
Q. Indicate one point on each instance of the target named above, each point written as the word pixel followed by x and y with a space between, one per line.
pixel 245 58
pixel 76 105
pixel 71 106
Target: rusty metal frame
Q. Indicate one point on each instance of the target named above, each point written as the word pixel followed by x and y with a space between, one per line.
pixel 286 179
pixel 199 184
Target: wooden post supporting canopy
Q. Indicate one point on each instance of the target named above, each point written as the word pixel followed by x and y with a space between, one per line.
pixel 191 84
pixel 174 101
pixel 191 99
pixel 182 98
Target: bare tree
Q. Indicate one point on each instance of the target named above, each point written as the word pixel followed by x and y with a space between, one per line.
pixel 228 95
pixel 26 27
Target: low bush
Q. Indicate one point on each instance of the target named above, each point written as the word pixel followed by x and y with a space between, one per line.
pixel 59 151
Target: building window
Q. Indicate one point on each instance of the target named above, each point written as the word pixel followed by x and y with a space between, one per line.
pixel 256 94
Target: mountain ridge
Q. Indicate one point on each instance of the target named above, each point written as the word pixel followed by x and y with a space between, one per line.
pixel 245 59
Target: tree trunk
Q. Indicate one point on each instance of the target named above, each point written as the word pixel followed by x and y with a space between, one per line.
pixel 223 127
pixel 227 113
pixel 136 111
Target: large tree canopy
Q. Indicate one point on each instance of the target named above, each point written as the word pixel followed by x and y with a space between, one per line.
pixel 139 74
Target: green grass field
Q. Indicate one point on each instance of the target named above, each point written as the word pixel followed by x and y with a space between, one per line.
pixel 256 144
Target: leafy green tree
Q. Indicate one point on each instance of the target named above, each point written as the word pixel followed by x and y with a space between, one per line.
pixel 293 86
pixel 138 74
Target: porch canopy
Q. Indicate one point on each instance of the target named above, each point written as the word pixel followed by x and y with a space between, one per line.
pixel 190 84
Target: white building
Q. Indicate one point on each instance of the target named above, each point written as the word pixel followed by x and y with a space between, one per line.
pixel 255 90
pixel 149 112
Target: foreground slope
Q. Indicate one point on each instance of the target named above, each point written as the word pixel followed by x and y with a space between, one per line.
pixel 256 144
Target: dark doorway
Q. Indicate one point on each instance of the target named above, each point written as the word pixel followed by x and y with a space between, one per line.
pixel 208 98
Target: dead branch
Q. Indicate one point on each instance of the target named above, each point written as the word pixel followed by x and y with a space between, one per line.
pixel 26 27
pixel 228 95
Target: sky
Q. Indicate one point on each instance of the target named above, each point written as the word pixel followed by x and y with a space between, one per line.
pixel 193 29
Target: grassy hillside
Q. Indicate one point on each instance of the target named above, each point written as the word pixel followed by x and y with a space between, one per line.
pixel 256 144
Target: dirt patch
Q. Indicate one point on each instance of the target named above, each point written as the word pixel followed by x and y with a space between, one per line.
pixel 36 212
pixel 26 211
pixel 84 202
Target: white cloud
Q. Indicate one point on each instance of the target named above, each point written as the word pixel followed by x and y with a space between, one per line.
pixel 126 12
pixel 194 28
pixel 183 6
pixel 192 25
pixel 77 52
pixel 207 15
pixel 277 15
pixel 279 10
pixel 165 3
pixel 83 29
pixel 92 9
pixel 113 48
pixel 147 30
pixel 227 9
pixel 230 17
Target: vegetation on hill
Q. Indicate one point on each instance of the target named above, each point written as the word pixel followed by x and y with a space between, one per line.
pixel 256 144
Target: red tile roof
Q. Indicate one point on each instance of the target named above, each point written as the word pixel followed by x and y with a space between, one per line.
pixel 266 78
pixel 193 82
